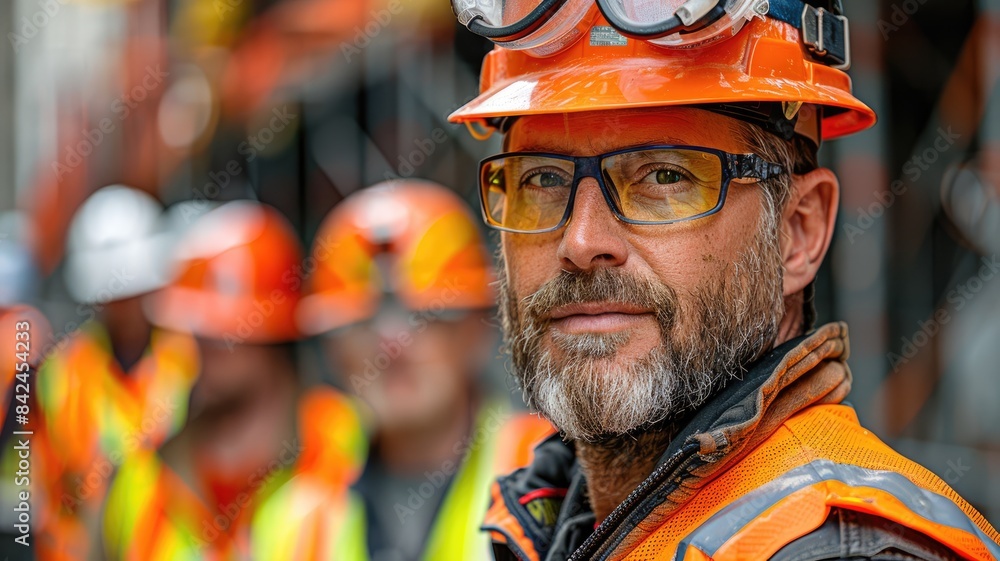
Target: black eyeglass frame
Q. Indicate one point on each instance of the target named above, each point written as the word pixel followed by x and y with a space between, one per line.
pixel 734 166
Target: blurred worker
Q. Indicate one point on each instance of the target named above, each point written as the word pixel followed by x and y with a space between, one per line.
pixel 401 293
pixel 249 430
pixel 19 281
pixel 24 333
pixel 113 384
pixel 663 220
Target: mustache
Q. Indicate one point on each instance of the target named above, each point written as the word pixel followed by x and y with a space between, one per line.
pixel 601 285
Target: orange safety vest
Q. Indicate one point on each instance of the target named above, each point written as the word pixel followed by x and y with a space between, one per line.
pixel 151 514
pixel 766 470
pixel 95 417
pixel 819 459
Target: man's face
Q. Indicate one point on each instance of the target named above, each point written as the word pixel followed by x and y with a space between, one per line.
pixel 411 369
pixel 230 373
pixel 613 327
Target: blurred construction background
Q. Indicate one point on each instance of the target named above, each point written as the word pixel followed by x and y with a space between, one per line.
pixel 299 103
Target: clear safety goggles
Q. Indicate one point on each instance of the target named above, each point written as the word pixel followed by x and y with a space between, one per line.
pixel 546 27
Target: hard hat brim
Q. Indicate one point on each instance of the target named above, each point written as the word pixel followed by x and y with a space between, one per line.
pixel 231 320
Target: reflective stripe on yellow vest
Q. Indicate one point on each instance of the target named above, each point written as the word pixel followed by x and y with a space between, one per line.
pixel 139 523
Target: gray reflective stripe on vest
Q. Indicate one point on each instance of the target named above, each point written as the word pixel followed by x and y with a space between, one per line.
pixel 722 526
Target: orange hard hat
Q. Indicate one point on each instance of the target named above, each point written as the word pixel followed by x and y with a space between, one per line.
pixel 237 277
pixel 414 239
pixel 766 61
pixel 30 336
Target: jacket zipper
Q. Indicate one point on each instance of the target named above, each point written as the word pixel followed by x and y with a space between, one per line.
pixel 611 523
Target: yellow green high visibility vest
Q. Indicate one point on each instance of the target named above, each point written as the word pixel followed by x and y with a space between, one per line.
pixel 305 521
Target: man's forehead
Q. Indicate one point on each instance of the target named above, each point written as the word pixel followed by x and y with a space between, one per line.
pixel 599 132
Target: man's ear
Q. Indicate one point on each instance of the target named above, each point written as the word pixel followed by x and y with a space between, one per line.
pixel 808 223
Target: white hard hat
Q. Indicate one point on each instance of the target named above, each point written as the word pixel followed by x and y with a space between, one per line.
pixel 117 246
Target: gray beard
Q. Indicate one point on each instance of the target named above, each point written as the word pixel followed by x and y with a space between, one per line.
pixel 725 325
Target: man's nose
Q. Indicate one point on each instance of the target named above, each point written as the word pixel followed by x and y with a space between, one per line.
pixel 593 237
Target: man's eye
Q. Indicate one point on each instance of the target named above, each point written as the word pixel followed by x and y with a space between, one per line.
pixel 546 179
pixel 663 177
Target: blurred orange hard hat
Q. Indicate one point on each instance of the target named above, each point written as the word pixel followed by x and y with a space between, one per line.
pixel 598 68
pixel 413 239
pixel 236 277
pixel 29 337
pixel 29 334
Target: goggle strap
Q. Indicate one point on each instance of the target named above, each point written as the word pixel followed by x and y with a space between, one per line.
pixel 822 27
pixel 525 26
pixel 480 129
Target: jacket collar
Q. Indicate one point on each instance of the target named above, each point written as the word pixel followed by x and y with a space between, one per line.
pixel 805 371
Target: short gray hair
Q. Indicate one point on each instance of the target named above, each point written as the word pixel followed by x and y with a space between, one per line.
pixel 798 155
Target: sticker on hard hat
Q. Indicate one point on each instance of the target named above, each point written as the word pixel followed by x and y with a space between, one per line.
pixel 606 36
